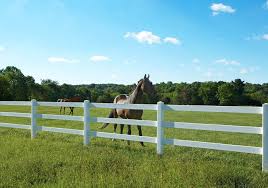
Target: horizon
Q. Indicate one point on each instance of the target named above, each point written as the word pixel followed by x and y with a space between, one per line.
pixel 102 42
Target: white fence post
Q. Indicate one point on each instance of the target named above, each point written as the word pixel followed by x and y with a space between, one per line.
pixel 160 118
pixel 265 138
pixel 33 118
pixel 86 123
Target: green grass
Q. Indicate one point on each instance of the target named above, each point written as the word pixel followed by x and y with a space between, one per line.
pixel 61 160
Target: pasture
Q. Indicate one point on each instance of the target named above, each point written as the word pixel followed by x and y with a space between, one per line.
pixel 61 160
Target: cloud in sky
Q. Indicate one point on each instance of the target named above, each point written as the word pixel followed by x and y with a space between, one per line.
pixel 249 70
pixel 99 58
pixel 144 37
pixel 257 37
pixel 150 38
pixel 265 37
pixel 227 62
pixel 61 60
pixel 265 5
pixel 2 48
pixel 218 8
pixel 172 40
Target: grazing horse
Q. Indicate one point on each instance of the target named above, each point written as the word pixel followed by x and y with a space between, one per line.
pixel 73 99
pixel 136 97
pixel 61 100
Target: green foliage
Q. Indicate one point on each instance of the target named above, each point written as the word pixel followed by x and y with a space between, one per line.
pixel 226 94
pixel 16 86
pixel 4 87
pixel 208 93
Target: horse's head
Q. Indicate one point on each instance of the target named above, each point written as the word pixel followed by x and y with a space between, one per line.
pixel 146 85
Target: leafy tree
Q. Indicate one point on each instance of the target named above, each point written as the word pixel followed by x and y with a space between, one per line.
pixel 51 90
pixel 4 89
pixel 208 93
pixel 226 94
pixel 18 87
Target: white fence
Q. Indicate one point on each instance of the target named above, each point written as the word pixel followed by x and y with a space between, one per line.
pixel 160 107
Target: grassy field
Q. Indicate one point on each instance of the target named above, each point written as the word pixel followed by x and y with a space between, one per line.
pixel 61 160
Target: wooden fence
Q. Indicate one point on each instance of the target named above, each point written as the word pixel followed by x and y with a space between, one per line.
pixel 160 124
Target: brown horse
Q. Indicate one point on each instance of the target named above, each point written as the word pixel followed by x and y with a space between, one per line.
pixel 73 99
pixel 136 97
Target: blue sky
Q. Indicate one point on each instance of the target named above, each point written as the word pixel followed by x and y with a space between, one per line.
pixel 103 41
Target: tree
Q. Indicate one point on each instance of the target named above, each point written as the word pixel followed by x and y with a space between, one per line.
pixel 51 90
pixel 208 93
pixel 226 94
pixel 18 88
pixel 239 87
pixel 4 89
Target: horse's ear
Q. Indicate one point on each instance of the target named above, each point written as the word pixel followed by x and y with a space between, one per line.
pixel 144 76
pixel 148 76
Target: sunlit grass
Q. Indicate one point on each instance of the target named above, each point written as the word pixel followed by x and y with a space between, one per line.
pixel 61 160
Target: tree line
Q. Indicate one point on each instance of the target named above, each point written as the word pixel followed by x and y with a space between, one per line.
pixel 14 85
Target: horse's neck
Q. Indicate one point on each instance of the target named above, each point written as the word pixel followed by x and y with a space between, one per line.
pixel 136 96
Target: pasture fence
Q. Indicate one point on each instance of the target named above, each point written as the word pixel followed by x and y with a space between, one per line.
pixel 159 124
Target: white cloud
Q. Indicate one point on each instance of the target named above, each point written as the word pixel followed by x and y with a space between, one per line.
pixel 144 37
pixel 99 58
pixel 172 40
pixel 265 37
pixel 244 71
pixel 62 60
pixel 2 48
pixel 249 70
pixel 227 62
pixel 219 7
pixel 257 37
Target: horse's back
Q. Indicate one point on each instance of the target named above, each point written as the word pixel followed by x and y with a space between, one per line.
pixel 121 99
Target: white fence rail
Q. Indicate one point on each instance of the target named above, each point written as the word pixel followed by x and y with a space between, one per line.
pixel 160 124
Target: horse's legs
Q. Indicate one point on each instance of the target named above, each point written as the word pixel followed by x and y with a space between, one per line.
pixel 72 110
pixel 115 126
pixel 121 128
pixel 140 133
pixel 60 110
pixel 128 132
pixel 64 110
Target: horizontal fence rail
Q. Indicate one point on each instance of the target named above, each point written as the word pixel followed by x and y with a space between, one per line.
pixel 16 103
pixel 15 114
pixel 204 108
pixel 125 137
pixel 159 124
pixel 215 146
pixel 16 126
pixel 60 130
pixel 124 106
pixel 148 123
pixel 214 127
pixel 61 104
pixel 61 117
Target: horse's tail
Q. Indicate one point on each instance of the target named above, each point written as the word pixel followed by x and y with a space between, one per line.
pixel 111 115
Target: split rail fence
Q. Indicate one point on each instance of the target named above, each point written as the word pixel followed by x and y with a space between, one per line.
pixel 160 124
